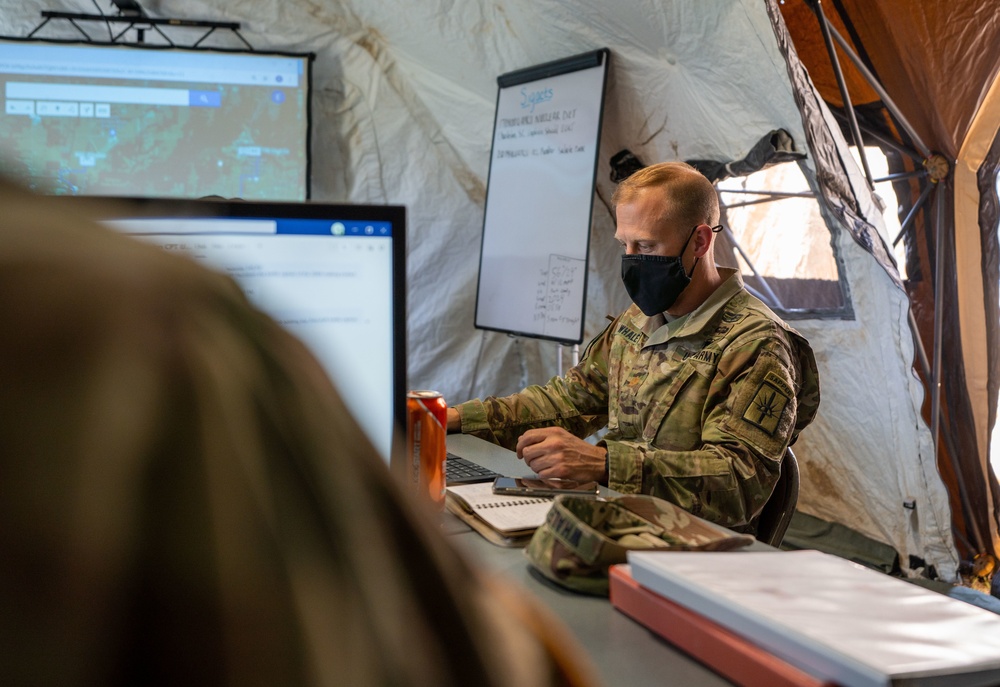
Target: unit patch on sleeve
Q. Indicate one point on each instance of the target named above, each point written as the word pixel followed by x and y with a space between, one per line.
pixel 768 403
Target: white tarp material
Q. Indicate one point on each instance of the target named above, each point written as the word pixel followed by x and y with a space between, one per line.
pixel 403 104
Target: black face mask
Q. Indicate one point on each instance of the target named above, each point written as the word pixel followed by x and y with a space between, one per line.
pixel 654 282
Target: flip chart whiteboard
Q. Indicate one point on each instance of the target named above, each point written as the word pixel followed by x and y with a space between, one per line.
pixel 539 198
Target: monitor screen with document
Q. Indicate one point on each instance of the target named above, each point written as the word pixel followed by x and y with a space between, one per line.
pixel 332 274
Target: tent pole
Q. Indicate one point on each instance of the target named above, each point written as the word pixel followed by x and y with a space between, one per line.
pixel 852 121
pixel 959 534
pixel 775 194
pixel 939 270
pixel 759 201
pixel 902 175
pixel 925 366
pixel 883 139
pixel 763 282
pixel 913 212
pixel 938 315
pixel 886 100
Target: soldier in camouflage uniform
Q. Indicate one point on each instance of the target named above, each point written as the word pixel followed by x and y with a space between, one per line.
pixel 700 385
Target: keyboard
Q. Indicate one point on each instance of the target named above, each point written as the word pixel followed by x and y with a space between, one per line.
pixel 458 470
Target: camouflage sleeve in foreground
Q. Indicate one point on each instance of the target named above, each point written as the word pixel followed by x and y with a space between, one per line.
pixel 577 402
pixel 707 425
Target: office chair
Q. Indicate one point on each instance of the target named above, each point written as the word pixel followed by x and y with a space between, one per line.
pixel 777 512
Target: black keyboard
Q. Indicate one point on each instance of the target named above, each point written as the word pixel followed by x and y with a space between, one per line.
pixel 458 470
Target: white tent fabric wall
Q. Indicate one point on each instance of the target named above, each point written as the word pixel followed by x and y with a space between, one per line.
pixel 404 96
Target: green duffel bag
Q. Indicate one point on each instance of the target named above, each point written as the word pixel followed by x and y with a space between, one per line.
pixel 583 535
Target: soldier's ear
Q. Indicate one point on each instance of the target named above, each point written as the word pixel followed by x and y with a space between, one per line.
pixel 702 239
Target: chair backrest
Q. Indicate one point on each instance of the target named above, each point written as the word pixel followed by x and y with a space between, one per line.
pixel 772 523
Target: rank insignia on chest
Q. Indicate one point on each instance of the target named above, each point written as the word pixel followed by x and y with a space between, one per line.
pixel 768 403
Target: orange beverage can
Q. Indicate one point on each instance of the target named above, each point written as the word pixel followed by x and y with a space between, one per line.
pixel 426 428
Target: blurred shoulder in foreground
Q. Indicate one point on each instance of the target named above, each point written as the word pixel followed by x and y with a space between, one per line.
pixel 184 498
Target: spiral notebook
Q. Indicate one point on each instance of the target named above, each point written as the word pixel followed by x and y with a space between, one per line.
pixel 503 520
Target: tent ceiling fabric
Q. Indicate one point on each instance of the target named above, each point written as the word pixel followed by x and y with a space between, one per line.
pixel 404 97
pixel 938 62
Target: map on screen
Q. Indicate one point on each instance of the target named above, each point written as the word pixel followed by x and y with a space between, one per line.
pixel 118 120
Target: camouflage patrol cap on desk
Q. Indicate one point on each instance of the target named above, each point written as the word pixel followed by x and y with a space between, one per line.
pixel 583 535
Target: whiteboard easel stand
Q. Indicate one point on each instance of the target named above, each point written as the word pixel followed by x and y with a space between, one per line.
pixel 559 357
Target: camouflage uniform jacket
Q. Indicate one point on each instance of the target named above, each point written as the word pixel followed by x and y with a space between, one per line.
pixel 699 410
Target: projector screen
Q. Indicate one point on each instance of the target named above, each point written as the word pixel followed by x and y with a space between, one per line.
pixel 94 119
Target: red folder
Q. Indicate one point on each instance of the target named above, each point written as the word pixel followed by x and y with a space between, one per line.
pixel 725 652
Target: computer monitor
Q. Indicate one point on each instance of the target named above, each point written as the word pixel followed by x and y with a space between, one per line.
pixel 332 274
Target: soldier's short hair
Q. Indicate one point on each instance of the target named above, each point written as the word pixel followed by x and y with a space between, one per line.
pixel 692 196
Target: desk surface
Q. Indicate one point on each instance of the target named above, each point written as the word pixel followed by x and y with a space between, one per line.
pixel 624 651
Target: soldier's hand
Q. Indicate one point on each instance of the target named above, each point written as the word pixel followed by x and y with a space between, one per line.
pixel 554 452
pixel 454 421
